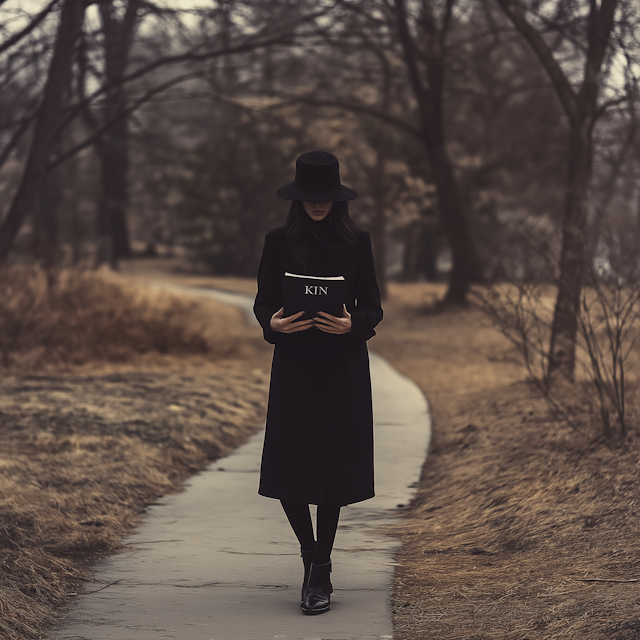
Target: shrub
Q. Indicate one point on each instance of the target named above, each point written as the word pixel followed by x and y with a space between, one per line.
pixel 71 317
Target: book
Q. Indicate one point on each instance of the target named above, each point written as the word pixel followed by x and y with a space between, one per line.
pixel 312 294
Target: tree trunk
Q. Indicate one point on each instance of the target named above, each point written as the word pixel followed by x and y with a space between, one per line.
pixel 428 89
pixel 112 222
pixel 31 183
pixel 463 252
pixel 378 228
pixel 112 149
pixel 45 220
pixel 377 177
pixel 378 234
pixel 572 258
pixel 581 108
pixel 465 268
pixel 430 231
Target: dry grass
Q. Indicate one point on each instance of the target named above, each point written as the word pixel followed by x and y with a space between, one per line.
pixel 180 271
pixel 81 457
pixel 514 509
pixel 71 318
pixel 82 454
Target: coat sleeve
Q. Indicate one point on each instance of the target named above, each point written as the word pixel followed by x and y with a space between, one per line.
pixel 269 297
pixel 368 311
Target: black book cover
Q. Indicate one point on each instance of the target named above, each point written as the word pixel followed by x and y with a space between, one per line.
pixel 312 294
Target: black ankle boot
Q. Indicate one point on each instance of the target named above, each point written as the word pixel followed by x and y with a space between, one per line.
pixel 307 558
pixel 319 589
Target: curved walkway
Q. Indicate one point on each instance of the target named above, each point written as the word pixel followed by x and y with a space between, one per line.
pixel 219 562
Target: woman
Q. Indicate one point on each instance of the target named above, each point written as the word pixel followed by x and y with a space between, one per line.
pixel 318 445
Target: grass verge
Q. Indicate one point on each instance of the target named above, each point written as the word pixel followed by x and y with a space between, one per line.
pixel 110 397
pixel 522 527
pixel 70 318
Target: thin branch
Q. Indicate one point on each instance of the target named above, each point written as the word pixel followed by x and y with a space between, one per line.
pixel 15 138
pixel 409 52
pixel 106 586
pixel 614 102
pixel 356 108
pixel 123 114
pixel 73 110
pixel 7 44
pixel 566 93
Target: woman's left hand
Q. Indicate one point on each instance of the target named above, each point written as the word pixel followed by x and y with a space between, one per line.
pixel 332 324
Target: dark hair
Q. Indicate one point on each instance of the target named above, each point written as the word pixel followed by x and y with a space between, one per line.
pixel 337 230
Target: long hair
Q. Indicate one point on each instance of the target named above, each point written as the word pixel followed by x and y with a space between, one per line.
pixel 337 230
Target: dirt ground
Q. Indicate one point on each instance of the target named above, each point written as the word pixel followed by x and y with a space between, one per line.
pixel 521 527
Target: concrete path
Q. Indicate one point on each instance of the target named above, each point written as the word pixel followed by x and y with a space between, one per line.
pixel 219 562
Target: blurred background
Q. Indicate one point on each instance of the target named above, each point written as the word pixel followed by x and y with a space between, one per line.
pixel 495 145
pixel 474 130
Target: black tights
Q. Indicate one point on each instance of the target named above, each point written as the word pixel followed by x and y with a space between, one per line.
pixel 299 518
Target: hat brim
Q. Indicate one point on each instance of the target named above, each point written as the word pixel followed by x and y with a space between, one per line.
pixel 292 192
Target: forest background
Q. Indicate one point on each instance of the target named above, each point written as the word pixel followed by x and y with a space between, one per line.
pixel 494 144
pixel 491 140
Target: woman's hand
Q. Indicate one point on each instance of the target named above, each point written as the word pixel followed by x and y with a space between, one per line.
pixel 332 324
pixel 289 324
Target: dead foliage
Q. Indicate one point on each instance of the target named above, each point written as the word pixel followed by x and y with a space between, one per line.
pixel 182 271
pixel 608 322
pixel 82 456
pixel 71 318
pixel 110 396
pixel 517 513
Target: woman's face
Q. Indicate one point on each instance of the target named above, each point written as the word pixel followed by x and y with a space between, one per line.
pixel 317 210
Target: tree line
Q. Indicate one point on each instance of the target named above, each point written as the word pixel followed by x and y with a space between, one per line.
pixel 489 139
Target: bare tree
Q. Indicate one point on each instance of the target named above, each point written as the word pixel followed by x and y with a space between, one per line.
pixel 111 146
pixel 582 108
pixel 33 175
pixel 156 71
pixel 423 37
pixel 415 36
pixel 15 38
pixel 24 62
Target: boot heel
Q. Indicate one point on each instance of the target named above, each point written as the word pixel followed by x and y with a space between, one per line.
pixel 317 595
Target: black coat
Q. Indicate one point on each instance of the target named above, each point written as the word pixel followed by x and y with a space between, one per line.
pixel 318 445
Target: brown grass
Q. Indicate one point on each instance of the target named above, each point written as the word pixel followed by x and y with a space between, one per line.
pixel 72 318
pixel 76 476
pixel 85 448
pixel 180 271
pixel 514 509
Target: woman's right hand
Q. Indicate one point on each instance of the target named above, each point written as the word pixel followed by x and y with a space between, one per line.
pixel 289 324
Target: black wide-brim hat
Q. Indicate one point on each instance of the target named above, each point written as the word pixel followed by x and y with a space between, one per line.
pixel 317 180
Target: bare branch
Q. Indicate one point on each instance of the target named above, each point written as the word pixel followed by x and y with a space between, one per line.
pixel 600 28
pixel 409 51
pixel 565 91
pixel 29 28
pixel 356 108
pixel 605 580
pixel 123 114
pixel 614 102
pixel 13 142
pixel 73 110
